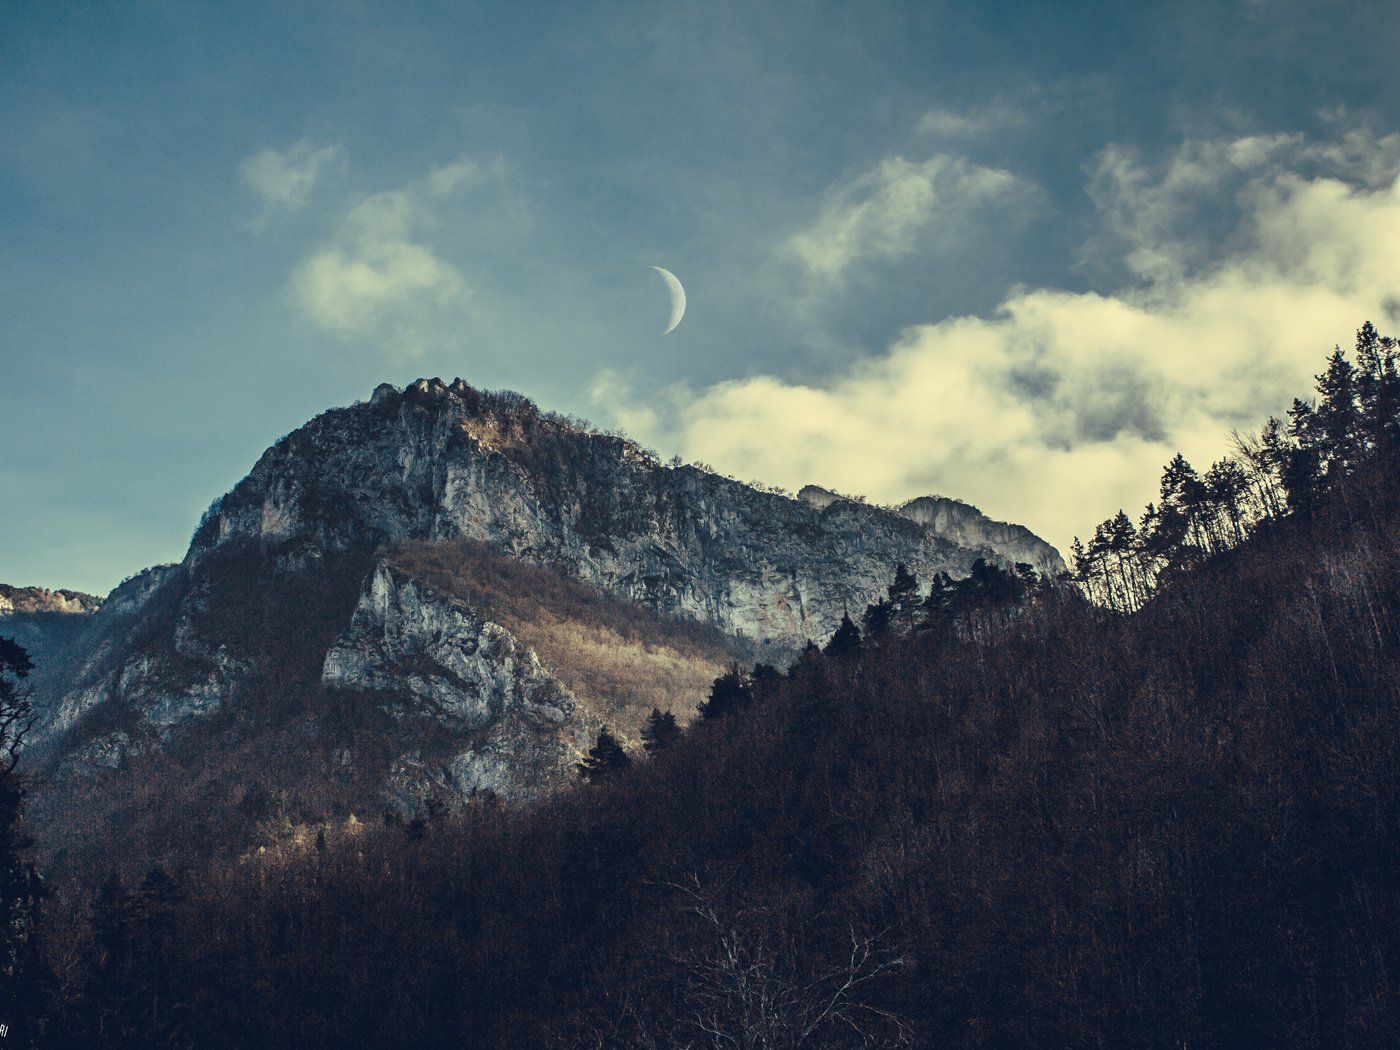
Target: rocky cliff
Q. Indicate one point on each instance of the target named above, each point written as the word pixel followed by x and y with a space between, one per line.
pixel 967 526
pixel 963 524
pixel 305 617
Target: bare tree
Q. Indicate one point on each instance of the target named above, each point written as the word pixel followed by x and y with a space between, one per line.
pixel 744 990
pixel 15 710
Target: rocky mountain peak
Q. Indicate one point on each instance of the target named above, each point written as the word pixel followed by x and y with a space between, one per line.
pixel 442 591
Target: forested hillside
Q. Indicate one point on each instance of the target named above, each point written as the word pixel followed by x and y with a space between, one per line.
pixel 1154 805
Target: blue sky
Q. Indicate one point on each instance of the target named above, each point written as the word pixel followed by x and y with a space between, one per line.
pixel 1016 254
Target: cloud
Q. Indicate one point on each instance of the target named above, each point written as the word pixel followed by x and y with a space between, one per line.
pixel 286 178
pixel 1059 407
pixel 947 124
pixel 882 213
pixel 451 177
pixel 378 278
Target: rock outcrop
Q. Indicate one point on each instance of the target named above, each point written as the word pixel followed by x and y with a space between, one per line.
pixel 967 526
pixel 429 656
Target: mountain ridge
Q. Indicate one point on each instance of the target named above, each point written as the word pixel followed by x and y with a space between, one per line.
pixel 298 620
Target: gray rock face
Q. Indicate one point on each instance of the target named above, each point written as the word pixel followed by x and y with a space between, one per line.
pixel 430 655
pixel 964 524
pixel 84 659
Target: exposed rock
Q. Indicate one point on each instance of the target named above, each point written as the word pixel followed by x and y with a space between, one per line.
pixel 43 600
pixel 964 524
pixel 818 497
pixel 462 671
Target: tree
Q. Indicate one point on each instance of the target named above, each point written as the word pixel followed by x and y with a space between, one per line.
pixel 604 759
pixel 155 903
pixel 729 692
pixel 15 710
pixel 904 598
pixel 764 682
pixel 21 889
pixel 659 731
pixel 846 640
pixel 876 619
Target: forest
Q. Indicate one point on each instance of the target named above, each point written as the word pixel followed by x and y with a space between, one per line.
pixel 1155 803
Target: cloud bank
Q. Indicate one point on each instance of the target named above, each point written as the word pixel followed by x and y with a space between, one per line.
pixel 1243 261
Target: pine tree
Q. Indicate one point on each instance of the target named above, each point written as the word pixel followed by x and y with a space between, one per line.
pixel 903 598
pixel 21 889
pixel 764 682
pixel 155 903
pixel 729 692
pixel 846 640
pixel 938 606
pixel 876 619
pixel 659 731
pixel 605 758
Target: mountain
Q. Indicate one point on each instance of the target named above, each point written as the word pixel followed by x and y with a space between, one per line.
pixel 965 525
pixel 49 625
pixel 439 594
pixel 42 600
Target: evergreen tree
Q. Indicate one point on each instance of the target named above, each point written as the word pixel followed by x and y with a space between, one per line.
pixel 876 619
pixel 729 692
pixel 15 710
pixel 938 606
pixel 764 681
pixel 903 598
pixel 846 640
pixel 155 903
pixel 21 889
pixel 604 759
pixel 1301 466
pixel 659 731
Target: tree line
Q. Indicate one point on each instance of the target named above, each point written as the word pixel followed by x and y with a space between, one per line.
pixel 1330 453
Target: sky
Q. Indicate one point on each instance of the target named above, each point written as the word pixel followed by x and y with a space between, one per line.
pixel 1015 254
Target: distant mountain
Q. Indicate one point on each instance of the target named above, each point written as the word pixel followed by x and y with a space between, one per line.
pixel 443 593
pixel 49 624
pixel 43 600
pixel 965 525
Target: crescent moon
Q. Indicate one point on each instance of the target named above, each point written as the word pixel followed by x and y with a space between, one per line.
pixel 677 298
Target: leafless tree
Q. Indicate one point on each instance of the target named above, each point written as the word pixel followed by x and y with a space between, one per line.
pixel 744 991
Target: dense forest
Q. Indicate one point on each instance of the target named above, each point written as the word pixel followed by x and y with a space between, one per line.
pixel 1153 804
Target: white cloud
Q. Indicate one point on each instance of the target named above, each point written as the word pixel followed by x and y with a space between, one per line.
pixel 378 278
pixel 883 212
pixel 948 124
pixel 1061 406
pixel 286 178
pixel 451 177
